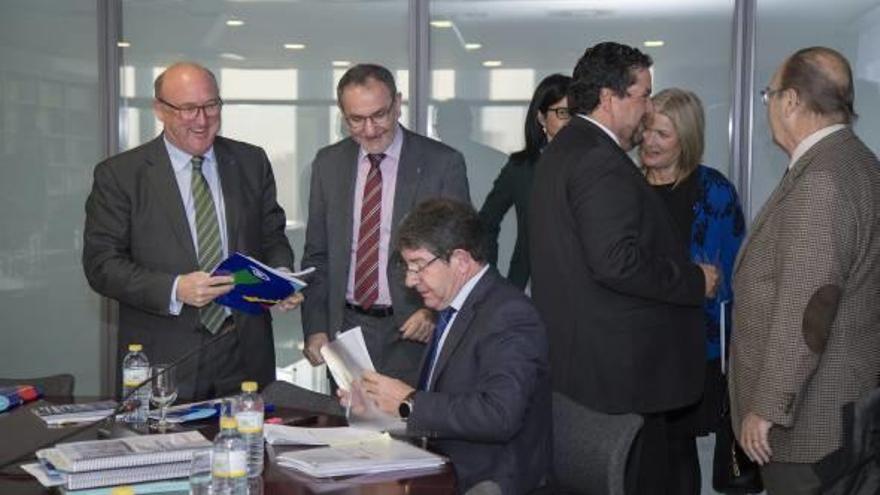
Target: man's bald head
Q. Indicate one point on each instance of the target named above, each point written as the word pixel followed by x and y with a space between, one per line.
pixel 182 72
pixel 822 78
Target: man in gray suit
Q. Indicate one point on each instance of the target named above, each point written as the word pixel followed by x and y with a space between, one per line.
pixel 361 189
pixel 806 340
pixel 484 396
pixel 161 216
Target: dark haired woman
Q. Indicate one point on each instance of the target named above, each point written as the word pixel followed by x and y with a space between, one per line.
pixel 547 114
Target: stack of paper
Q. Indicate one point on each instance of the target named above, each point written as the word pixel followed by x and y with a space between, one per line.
pixel 376 456
pixel 62 414
pixel 298 435
pixel 117 461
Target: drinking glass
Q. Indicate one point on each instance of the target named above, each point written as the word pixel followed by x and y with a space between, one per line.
pixel 164 392
pixel 200 472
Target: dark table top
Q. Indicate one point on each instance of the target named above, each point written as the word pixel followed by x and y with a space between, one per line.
pixel 23 432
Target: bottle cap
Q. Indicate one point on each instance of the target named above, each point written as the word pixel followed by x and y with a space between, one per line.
pixel 248 386
pixel 228 422
pixel 122 490
pixel 135 348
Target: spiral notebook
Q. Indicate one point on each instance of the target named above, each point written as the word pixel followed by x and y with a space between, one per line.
pixel 106 477
pixel 146 450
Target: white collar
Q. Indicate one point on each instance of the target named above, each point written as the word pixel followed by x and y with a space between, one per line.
pixel 467 288
pixel 600 126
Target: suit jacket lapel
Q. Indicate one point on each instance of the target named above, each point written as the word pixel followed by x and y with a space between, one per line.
pixel 227 168
pixel 409 174
pixel 347 183
pixel 786 184
pixel 462 323
pixel 161 175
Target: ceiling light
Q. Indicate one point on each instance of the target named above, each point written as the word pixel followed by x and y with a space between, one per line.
pixel 441 24
pixel 235 22
pixel 231 56
pixel 295 46
pixel 472 46
pixel 492 63
pixel 123 44
pixel 654 43
pixel 341 63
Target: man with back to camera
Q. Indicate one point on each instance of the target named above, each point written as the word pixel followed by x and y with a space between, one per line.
pixel 161 216
pixel 484 396
pixel 807 279
pixel 361 189
pixel 611 278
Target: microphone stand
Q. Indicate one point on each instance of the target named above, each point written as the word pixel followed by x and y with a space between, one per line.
pixel 123 406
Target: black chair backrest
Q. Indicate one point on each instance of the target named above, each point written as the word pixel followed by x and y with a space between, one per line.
pixel 52 386
pixel 590 449
pixel 286 394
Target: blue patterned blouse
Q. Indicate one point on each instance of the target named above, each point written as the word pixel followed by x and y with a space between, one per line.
pixel 716 235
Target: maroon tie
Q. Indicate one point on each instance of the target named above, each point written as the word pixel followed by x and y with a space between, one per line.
pixel 366 272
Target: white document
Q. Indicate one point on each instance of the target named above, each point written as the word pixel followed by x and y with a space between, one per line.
pixel 370 457
pixel 298 435
pixel 347 357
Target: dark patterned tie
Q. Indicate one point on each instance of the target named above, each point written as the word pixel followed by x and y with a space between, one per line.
pixel 443 319
pixel 208 238
pixel 366 273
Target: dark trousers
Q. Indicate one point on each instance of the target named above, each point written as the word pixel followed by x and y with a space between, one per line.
pixel 790 478
pixel 662 461
pixel 217 371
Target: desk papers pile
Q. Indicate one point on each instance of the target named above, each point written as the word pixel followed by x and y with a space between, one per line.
pixel 377 456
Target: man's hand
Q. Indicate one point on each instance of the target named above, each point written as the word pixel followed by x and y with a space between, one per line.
pixel 713 278
pixel 292 302
pixel 418 326
pixel 199 288
pixel 312 349
pixel 385 391
pixel 755 438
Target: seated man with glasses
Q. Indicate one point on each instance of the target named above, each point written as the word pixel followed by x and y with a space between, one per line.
pixel 483 397
pixel 361 189
pixel 160 217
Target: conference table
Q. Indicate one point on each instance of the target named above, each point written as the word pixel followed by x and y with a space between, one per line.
pixel 22 432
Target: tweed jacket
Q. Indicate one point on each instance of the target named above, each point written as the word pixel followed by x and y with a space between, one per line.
pixel 807 286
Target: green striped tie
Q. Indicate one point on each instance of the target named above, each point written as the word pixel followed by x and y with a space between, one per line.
pixel 208 236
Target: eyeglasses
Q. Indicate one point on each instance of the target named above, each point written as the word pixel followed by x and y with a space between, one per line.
pixel 189 112
pixel 768 93
pixel 357 122
pixel 562 113
pixel 418 269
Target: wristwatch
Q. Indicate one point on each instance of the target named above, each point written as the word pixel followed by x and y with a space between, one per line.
pixel 406 407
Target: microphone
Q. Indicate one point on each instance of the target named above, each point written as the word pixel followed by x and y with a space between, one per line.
pixel 124 406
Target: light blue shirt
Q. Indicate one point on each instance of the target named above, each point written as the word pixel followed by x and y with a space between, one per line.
pixel 180 163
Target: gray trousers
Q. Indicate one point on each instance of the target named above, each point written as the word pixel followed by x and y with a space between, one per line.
pixel 790 478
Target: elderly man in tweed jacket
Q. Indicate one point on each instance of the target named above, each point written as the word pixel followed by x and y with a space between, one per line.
pixel 807 281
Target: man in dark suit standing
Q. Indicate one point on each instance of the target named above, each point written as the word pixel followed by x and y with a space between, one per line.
pixel 484 395
pixel 159 219
pixel 611 279
pixel 361 189
pixel 807 280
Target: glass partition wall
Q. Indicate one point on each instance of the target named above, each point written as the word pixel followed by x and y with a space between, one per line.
pixel 277 62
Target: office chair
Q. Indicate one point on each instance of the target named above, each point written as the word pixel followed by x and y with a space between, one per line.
pixel 287 394
pixel 590 449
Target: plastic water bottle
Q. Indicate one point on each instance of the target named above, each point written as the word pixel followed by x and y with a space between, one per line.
pixel 249 415
pixel 136 369
pixel 229 464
